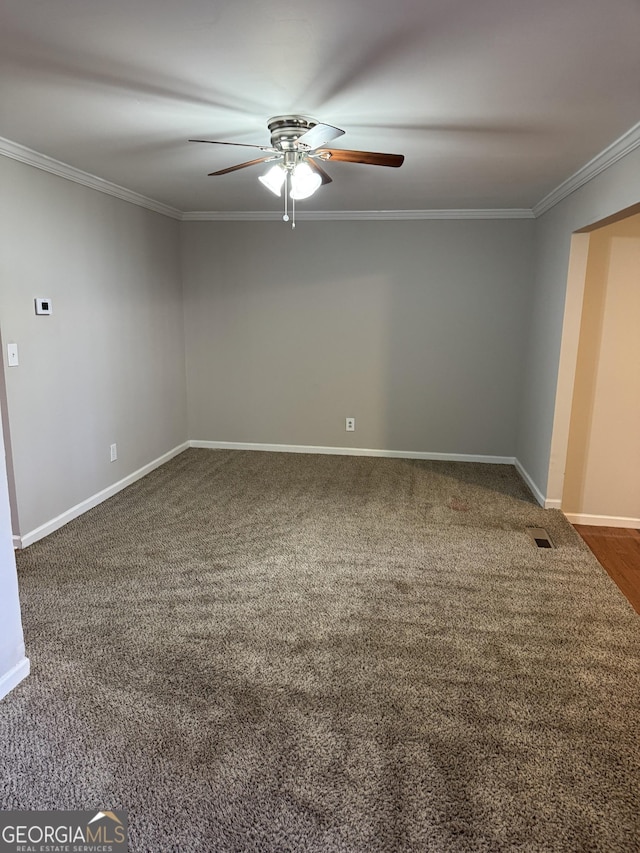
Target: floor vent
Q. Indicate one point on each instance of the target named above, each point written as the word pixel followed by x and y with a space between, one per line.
pixel 540 537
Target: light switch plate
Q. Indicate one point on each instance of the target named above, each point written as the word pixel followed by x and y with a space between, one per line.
pixel 43 306
pixel 12 355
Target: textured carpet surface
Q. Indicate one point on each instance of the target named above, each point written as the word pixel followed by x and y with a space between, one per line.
pixel 280 652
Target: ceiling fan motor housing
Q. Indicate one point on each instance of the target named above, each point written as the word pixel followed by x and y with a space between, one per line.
pixel 285 130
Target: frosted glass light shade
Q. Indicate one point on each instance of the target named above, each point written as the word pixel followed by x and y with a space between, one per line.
pixel 304 181
pixel 274 179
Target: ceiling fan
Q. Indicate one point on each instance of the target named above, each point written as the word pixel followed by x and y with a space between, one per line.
pixel 298 148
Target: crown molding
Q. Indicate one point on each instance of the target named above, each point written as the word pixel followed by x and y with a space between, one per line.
pixel 19 152
pixel 362 215
pixel 16 151
pixel 63 170
pixel 232 215
pixel 627 143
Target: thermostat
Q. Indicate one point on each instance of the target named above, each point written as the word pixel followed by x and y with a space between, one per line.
pixel 43 306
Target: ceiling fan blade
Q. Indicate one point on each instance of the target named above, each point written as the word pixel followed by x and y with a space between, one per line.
pixel 371 158
pixel 243 144
pixel 243 165
pixel 319 134
pixel 326 179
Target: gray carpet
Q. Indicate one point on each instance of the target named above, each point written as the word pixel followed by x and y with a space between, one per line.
pixel 279 652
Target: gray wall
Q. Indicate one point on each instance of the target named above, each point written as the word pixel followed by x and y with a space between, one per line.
pixel 108 365
pixel 615 189
pixel 13 664
pixel 438 336
pixel 414 328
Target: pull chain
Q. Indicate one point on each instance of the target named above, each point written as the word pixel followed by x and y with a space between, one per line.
pixel 286 193
pixel 287 184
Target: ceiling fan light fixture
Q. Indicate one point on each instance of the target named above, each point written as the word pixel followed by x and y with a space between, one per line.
pixel 296 151
pixel 274 179
pixel 304 181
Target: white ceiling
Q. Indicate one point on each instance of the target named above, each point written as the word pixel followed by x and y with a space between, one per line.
pixel 493 102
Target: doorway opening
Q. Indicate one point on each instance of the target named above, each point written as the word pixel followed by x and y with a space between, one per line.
pixel 595 448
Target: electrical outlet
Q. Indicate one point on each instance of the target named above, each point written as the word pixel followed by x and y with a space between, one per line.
pixel 114 452
pixel 350 424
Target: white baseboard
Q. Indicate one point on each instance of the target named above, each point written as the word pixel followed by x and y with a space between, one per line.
pixel 353 451
pixel 552 503
pixel 535 491
pixel 14 676
pixel 67 516
pixel 603 520
pixel 75 511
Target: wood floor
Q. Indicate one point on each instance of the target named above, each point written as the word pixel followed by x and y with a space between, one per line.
pixel 618 551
